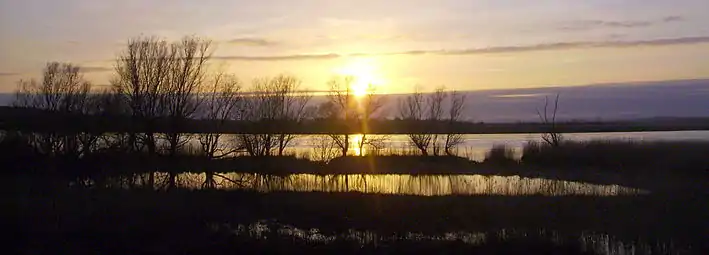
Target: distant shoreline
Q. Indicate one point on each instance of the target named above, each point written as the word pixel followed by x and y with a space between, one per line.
pixel 34 120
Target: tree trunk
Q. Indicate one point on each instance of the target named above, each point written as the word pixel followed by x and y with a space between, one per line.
pixel 346 145
pixel 173 179
pixel 150 140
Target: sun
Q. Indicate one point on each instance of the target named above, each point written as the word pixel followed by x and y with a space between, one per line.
pixel 365 73
pixel 359 88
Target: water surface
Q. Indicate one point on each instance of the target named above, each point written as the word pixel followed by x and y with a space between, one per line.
pixel 474 147
pixel 420 185
pixel 587 241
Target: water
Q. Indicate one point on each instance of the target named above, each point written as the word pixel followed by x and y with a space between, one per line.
pixel 597 243
pixel 474 147
pixel 420 185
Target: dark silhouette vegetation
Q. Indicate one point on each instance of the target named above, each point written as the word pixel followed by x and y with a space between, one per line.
pixel 656 166
pixel 621 156
pixel 119 221
pixel 34 120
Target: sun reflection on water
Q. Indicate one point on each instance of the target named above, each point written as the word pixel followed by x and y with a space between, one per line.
pixel 356 145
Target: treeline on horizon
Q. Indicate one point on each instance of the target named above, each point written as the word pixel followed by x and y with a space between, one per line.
pixel 42 121
pixel 161 91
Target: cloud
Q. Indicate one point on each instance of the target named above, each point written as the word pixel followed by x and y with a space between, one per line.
pixel 489 50
pixel 580 45
pixel 281 57
pixel 617 35
pixel 519 95
pixel 581 25
pixel 672 19
pixel 658 42
pixel 95 69
pixel 257 42
pixel 85 69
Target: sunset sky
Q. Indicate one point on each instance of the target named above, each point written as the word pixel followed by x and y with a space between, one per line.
pixel 396 44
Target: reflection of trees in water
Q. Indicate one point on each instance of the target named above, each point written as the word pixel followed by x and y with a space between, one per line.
pixel 588 241
pixel 426 185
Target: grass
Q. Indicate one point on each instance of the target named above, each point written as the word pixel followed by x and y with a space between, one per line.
pixel 632 157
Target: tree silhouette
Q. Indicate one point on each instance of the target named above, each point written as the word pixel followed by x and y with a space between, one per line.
pixel 551 136
pixel 455 112
pixel 64 90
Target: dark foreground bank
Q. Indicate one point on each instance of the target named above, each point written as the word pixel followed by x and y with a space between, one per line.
pixel 69 220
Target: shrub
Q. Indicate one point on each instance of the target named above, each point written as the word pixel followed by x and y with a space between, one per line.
pixel 500 154
pixel 16 153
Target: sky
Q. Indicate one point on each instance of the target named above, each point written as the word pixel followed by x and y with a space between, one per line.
pixel 397 45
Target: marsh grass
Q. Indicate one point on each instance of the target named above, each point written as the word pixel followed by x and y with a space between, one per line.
pixel 69 220
pixel 623 156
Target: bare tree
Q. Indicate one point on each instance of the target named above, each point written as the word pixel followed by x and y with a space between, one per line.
pixel 454 114
pixel 429 108
pixel 342 100
pixel 552 136
pixel 109 104
pixel 412 108
pixel 185 79
pixel 352 111
pixel 142 78
pixel 259 106
pixel 324 148
pixel 62 89
pixel 292 104
pixel 369 106
pixel 435 114
pixel 273 100
pixel 220 103
pixel 158 80
pixel 95 105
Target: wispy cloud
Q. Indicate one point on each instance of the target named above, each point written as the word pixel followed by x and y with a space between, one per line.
pixel 95 69
pixel 519 95
pixel 673 18
pixel 489 50
pixel 281 57
pixel 258 42
pixel 581 25
pixel 581 44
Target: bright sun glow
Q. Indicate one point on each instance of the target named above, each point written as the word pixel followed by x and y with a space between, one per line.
pixel 366 74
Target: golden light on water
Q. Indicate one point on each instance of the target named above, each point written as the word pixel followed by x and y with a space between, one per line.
pixel 422 185
pixel 366 73
pixel 355 141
